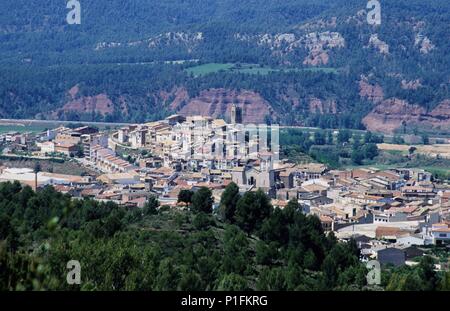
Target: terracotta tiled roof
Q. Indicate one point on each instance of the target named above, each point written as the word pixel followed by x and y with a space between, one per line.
pixel 325 218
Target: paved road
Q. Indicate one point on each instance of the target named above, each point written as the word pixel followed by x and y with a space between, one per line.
pixel 115 124
pixel 12 121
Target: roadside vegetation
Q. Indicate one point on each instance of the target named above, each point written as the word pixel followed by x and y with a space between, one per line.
pixel 352 148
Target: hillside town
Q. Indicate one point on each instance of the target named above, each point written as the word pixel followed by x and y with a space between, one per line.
pixel 390 213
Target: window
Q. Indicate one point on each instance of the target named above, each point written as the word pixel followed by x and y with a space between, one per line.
pixel 442 235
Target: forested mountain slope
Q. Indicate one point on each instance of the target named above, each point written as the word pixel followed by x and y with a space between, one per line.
pixel 297 62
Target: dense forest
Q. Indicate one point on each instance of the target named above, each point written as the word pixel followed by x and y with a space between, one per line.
pixel 245 244
pixel 40 30
pixel 25 92
pixel 336 151
pixel 123 49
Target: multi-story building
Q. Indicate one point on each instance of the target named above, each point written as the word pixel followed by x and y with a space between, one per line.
pixel 440 233
pixel 106 161
pixel 138 137
pixel 68 149
pixel 91 140
pixel 46 146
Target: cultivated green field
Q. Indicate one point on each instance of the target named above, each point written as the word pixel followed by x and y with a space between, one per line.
pixel 322 69
pixel 205 69
pixel 208 68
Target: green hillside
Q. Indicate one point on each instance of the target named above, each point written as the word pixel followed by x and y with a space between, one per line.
pixel 133 52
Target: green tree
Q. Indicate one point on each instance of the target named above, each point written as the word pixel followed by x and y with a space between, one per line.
pixel 151 207
pixel 185 196
pixel 232 282
pixel 266 253
pixel 344 136
pixel 319 138
pixel 272 279
pixel 338 260
pixel 168 275
pixel 202 201
pixel 370 151
pixel 357 156
pixel 236 255
pixel 80 151
pixel 329 138
pixel 190 281
pixel 445 282
pixel 228 202
pixel 5 226
pixel 202 221
pixel 405 281
pixel 356 141
pixel 429 277
pixel 370 138
pixel 252 209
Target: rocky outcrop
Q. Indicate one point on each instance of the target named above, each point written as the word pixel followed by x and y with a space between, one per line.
pixel 74 91
pixel 374 93
pixel 99 103
pixel 316 58
pixel 317 44
pixel 381 46
pixel 424 44
pixel 176 98
pixel 393 113
pixel 217 103
pixel 165 39
pixel 322 106
pixel 177 38
pixel 411 85
pixel 390 114
pixel 319 24
pixel 359 19
pixel 442 111
pixel 86 104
